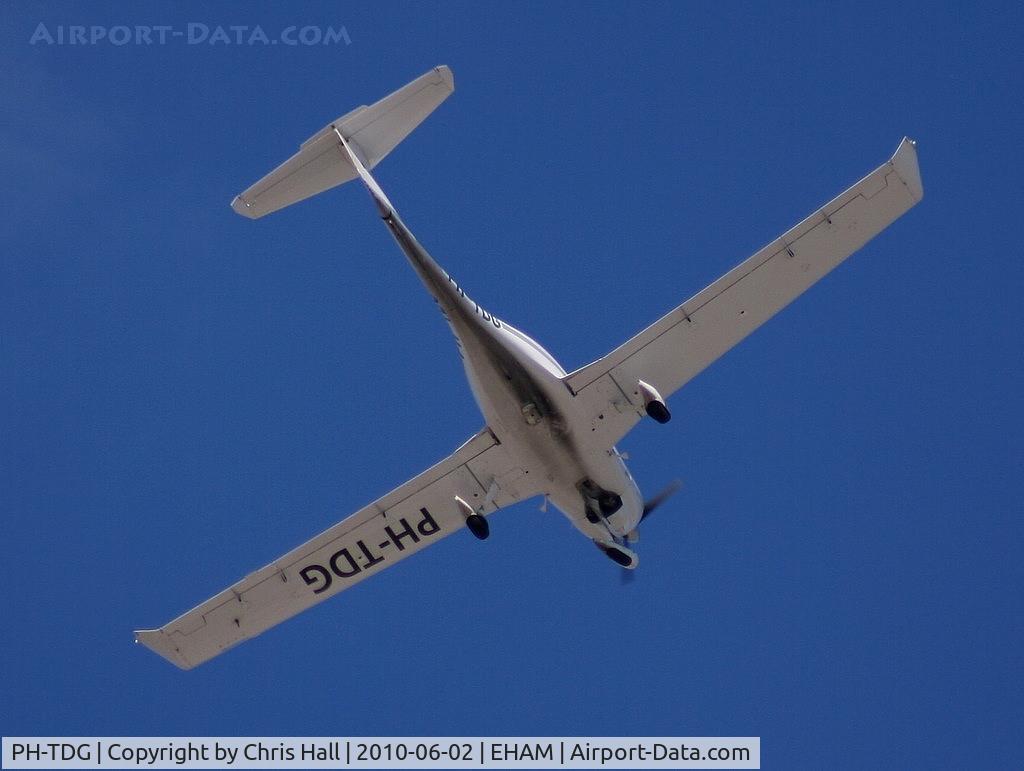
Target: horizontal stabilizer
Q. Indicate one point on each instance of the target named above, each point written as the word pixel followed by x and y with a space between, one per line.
pixel 321 163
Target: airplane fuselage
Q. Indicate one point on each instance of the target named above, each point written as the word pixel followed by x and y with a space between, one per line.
pixel 520 390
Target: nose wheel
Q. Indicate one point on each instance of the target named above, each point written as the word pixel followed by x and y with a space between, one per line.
pixel 620 555
pixel 600 504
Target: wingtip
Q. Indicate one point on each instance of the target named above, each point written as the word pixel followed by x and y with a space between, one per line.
pixel 904 160
pixel 161 644
pixel 243 207
pixel 447 75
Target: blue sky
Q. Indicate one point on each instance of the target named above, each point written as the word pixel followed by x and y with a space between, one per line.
pixel 187 394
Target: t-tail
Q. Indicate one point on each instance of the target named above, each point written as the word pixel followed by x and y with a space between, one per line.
pixel 348 147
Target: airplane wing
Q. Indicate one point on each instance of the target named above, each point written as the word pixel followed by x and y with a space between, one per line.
pixel 419 513
pixel 681 344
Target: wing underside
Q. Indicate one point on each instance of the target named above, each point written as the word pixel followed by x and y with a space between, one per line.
pixel 390 529
pixel 681 344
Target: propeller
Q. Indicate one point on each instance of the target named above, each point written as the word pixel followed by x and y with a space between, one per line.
pixel 628 576
pixel 653 503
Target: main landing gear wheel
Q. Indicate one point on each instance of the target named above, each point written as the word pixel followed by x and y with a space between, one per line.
pixel 478 526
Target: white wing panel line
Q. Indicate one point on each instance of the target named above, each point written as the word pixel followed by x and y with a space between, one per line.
pixel 817 244
pixel 395 526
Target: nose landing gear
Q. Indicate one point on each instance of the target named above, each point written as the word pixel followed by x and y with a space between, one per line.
pixel 600 503
pixel 620 555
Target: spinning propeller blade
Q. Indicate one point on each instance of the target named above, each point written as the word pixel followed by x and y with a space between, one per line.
pixel 660 498
pixel 627 576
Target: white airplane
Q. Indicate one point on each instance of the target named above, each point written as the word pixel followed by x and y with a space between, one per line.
pixel 548 432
